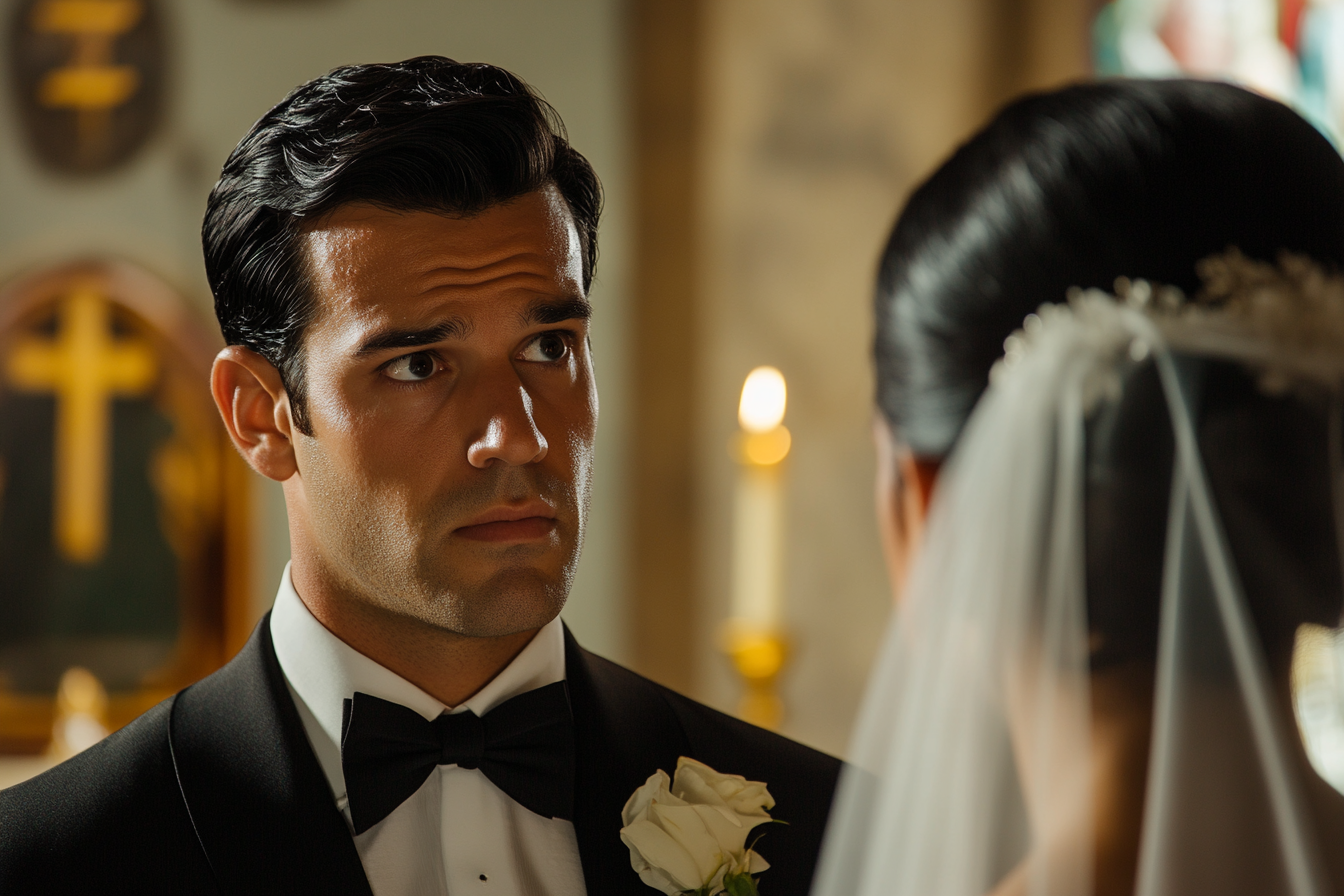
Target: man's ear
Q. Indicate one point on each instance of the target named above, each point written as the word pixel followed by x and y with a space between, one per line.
pixel 255 407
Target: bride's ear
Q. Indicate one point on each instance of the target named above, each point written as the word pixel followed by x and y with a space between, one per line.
pixel 904 488
pixel 919 475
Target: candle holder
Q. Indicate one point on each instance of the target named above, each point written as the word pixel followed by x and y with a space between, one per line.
pixel 81 714
pixel 758 654
pixel 753 637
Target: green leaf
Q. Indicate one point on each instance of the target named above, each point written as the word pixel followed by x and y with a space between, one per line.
pixel 740 885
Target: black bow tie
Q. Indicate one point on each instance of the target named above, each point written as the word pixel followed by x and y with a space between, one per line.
pixel 525 746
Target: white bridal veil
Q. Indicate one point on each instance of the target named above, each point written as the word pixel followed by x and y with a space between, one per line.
pixel 972 760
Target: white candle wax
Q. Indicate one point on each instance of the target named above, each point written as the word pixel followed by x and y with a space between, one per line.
pixel 758 540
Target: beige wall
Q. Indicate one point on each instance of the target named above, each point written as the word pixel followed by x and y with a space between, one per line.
pixel 232 60
pixel 818 118
pixel 768 144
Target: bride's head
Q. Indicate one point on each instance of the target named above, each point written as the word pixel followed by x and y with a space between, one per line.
pixel 1074 188
pixel 1078 189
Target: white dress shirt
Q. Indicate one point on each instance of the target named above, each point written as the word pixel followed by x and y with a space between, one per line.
pixel 459 833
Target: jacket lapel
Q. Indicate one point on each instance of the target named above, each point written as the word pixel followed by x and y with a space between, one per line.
pixel 265 815
pixel 624 732
pixel 260 803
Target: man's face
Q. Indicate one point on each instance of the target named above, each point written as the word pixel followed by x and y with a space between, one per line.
pixel 453 409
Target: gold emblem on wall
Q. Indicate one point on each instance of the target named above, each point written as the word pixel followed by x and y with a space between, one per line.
pixel 122 522
pixel 84 367
pixel 89 78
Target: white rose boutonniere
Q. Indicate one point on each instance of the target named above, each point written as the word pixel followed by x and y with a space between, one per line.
pixel 689 835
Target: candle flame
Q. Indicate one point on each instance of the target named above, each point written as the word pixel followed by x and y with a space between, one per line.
pixel 764 396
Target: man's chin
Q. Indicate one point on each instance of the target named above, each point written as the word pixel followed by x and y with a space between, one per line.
pixel 506 602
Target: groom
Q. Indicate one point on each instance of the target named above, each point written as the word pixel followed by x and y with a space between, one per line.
pixel 400 257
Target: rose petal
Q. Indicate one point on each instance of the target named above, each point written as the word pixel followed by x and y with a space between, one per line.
pixel 697 792
pixel 654 877
pixel 660 881
pixel 686 762
pixel 659 849
pixel 686 825
pixel 654 791
pixel 691 786
pixel 751 799
pixel 742 796
pixel 638 803
pixel 688 832
pixel 728 832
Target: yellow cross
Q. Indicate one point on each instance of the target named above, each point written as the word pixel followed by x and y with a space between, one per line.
pixel 84 367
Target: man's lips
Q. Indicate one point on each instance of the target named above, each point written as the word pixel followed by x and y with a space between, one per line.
pixel 528 522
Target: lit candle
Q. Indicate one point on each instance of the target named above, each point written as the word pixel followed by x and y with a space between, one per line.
pixel 758 524
pixel 753 636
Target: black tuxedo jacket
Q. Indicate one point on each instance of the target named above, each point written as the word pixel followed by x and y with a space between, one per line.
pixel 216 790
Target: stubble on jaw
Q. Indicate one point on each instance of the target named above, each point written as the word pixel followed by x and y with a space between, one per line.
pixel 387 555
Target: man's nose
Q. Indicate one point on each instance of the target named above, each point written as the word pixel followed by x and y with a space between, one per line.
pixel 510 434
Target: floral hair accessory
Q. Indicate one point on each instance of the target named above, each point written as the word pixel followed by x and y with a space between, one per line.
pixel 1283 320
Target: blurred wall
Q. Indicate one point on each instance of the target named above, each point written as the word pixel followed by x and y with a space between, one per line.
pixel 809 121
pixel 754 153
pixel 231 61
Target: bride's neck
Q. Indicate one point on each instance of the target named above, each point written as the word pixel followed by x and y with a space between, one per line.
pixel 1122 712
pixel 1122 705
pixel 1122 700
pixel 1121 723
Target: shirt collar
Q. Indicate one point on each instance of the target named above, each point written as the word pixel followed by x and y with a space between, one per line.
pixel 322 671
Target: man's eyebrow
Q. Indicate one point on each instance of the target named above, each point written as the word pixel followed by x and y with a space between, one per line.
pixel 411 337
pixel 554 311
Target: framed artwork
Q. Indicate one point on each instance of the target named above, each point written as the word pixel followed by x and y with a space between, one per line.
pixel 123 525
pixel 88 79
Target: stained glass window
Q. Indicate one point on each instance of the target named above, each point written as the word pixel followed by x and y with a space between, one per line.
pixel 1292 50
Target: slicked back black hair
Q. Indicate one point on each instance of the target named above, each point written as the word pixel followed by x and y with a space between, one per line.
pixel 1075 188
pixel 426 134
pixel 1141 179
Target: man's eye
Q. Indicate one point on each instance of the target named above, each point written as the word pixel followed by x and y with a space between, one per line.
pixel 413 368
pixel 548 347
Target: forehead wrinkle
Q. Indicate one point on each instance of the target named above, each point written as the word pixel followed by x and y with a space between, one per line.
pixel 528 265
pixel 517 280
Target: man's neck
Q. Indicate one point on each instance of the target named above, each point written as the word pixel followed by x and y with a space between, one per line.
pixel 450 667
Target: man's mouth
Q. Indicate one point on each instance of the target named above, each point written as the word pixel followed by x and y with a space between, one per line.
pixel 532 521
